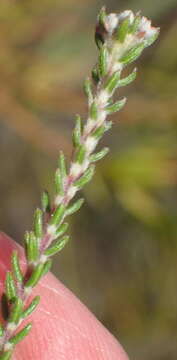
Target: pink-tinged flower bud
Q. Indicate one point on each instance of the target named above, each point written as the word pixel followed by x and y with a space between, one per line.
pixel 127 13
pixel 145 30
pixel 124 35
pixel 111 22
pixel 126 30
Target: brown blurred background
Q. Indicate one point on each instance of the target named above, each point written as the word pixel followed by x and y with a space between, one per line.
pixel 122 259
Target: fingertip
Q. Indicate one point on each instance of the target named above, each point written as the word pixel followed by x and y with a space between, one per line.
pixel 62 326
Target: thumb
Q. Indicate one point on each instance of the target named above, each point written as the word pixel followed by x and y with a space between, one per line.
pixel 63 328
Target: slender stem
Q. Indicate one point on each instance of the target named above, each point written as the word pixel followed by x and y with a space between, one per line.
pixel 75 173
pixel 120 35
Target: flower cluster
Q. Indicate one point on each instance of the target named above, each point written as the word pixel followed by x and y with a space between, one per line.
pixel 126 27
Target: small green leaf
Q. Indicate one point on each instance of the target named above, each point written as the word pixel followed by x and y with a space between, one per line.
pixel 128 79
pixel 94 111
pixel 16 267
pixel 116 106
pixel 84 179
pixel 38 224
pixel 102 16
pixel 95 75
pixel 88 89
pixel 74 207
pixel 123 30
pixel 98 133
pixel 35 276
pixel 98 156
pixel 31 307
pixel 57 215
pixel 10 287
pixel 80 154
pixel 62 229
pixel 99 40
pixel 21 334
pixel 59 183
pixel 132 54
pixel 16 311
pixel 103 61
pixel 58 246
pixel 32 247
pixel 112 82
pixel 77 132
pixel 62 165
pixel 47 267
pixel 26 242
pixel 134 26
pixel 45 201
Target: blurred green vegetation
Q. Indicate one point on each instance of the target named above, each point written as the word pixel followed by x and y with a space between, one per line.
pixel 122 259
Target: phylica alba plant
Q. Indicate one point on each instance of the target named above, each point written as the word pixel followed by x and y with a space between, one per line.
pixel 121 38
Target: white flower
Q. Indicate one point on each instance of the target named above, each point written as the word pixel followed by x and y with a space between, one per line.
pixel 111 22
pixel 145 30
pixel 138 30
pixel 127 13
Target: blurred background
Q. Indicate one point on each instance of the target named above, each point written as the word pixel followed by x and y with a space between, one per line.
pixel 122 259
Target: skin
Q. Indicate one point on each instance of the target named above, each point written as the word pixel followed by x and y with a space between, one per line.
pixel 63 328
